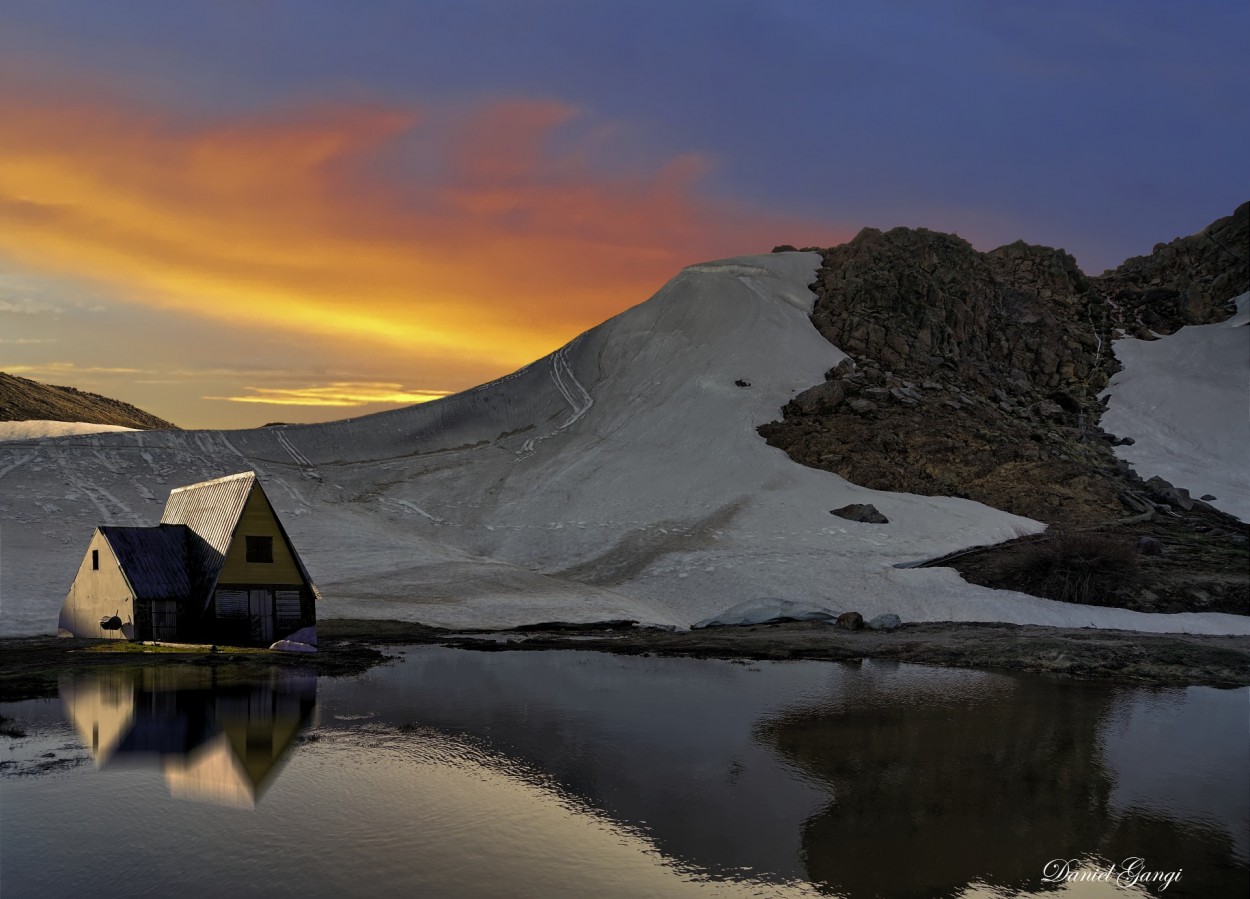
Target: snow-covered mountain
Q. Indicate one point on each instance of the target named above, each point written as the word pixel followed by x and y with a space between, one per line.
pixel 619 477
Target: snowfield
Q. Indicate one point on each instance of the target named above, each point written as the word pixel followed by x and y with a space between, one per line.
pixel 30 430
pixel 1185 401
pixel 620 477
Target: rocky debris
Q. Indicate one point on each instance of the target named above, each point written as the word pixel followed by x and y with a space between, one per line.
pixel 851 621
pixel 1206 497
pixel 865 513
pixel 1149 546
pixel 887 622
pixel 742 383
pixel 22 399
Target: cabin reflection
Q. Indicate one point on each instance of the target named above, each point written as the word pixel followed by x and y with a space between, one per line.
pixel 216 735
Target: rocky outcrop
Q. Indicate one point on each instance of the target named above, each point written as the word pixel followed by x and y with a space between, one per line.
pixel 22 399
pixel 977 374
pixel 1186 282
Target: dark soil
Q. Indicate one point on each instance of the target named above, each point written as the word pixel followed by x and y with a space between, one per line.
pixel 1203 566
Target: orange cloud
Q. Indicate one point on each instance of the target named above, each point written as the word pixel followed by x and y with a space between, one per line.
pixel 340 393
pixel 317 222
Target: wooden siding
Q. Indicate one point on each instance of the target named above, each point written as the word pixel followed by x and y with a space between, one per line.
pixel 258 520
pixel 96 593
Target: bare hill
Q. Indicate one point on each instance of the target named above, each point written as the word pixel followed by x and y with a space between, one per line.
pixel 22 399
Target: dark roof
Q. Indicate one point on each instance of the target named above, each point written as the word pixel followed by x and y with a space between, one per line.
pixel 154 560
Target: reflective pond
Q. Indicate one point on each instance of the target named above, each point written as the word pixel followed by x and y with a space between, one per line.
pixel 457 773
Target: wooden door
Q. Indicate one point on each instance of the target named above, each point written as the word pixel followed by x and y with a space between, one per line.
pixel 164 619
pixel 260 609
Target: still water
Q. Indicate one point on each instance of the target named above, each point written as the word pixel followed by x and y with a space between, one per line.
pixel 455 773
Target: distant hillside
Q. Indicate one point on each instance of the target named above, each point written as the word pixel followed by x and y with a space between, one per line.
pixel 22 399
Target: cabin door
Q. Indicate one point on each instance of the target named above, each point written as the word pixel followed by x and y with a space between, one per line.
pixel 164 619
pixel 260 609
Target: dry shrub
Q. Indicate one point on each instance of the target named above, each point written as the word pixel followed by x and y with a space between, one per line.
pixel 1071 566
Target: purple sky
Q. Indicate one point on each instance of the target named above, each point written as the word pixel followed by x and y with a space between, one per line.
pixel 1099 127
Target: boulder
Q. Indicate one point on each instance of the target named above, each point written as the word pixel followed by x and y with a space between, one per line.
pixel 887 622
pixel 865 513
pixel 1165 492
pixel 851 621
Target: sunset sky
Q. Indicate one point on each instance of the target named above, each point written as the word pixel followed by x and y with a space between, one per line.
pixel 242 211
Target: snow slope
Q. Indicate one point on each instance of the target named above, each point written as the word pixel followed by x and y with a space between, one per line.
pixel 1185 401
pixel 28 430
pixel 620 476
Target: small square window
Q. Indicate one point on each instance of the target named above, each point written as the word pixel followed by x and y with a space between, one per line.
pixel 260 549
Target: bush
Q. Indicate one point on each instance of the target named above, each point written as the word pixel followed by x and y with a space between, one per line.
pixel 1074 567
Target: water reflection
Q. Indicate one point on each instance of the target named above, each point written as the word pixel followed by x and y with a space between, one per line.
pixel 933 789
pixel 452 773
pixel 216 735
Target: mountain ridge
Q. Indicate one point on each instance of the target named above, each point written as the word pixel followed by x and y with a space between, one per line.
pixel 23 399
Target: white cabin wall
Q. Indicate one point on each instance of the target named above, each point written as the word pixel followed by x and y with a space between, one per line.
pixel 96 593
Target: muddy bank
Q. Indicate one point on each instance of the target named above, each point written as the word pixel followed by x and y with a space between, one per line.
pixel 31 666
pixel 1123 656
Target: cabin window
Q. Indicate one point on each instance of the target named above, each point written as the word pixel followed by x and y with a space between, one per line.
pixel 95 560
pixel 260 549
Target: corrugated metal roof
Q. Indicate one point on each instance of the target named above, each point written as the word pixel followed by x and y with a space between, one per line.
pixel 154 560
pixel 211 511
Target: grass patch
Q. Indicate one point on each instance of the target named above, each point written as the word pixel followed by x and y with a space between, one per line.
pixel 1072 566
pixel 127 647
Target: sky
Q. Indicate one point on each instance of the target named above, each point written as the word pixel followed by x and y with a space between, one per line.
pixel 235 212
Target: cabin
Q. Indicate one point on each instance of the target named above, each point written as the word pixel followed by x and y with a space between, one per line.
pixel 219 568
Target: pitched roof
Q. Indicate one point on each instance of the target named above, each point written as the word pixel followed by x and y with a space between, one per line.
pixel 154 560
pixel 211 510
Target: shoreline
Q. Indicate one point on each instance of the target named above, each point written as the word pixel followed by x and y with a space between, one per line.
pixel 30 667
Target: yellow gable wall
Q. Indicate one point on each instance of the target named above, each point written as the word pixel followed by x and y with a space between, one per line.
pixel 96 593
pixel 258 520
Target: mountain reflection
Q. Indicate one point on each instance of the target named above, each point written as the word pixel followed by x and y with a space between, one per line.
pixel 932 792
pixel 217 736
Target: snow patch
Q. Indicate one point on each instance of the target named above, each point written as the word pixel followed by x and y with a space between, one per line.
pixel 36 429
pixel 1184 399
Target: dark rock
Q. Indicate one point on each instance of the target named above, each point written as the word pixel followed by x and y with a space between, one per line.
pixel 785 248
pixel 1206 497
pixel 742 383
pixel 865 513
pixel 887 622
pixel 1165 492
pixel 821 398
pixel 851 621
pixel 1149 546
